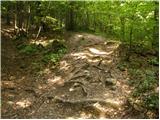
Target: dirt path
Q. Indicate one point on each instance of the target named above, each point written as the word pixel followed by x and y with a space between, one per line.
pixel 85 84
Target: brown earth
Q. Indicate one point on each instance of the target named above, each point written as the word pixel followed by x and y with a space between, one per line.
pixel 85 84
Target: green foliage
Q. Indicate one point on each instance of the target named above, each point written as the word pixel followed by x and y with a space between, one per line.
pixel 51 57
pixel 51 23
pixel 145 87
pixel 137 76
pixel 58 45
pixel 54 57
pixel 28 49
pixel 153 61
pixel 152 101
pixel 122 66
pixel 36 66
pixel 145 84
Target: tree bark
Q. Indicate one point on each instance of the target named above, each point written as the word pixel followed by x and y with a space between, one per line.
pixel 29 17
pixel 156 26
pixel 70 17
pixel 122 28
pixel 8 20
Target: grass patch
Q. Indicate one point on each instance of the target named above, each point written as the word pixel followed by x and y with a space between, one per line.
pixel 28 49
pixel 54 57
pixel 153 61
pixel 145 83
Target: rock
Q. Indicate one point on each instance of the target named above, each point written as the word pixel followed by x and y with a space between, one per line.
pixel 113 88
pixel 110 81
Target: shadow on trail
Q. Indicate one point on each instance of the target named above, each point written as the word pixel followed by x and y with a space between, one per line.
pixel 85 84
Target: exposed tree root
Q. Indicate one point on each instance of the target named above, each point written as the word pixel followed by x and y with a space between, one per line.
pixel 86 102
pixel 77 84
pixel 100 68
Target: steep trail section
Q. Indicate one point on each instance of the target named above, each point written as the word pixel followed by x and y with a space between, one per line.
pixel 14 79
pixel 87 83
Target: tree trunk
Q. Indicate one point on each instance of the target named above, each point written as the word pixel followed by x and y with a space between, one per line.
pixel 19 18
pixel 19 13
pixel 110 27
pixel 122 28
pixel 29 17
pixel 15 21
pixel 156 26
pixel 94 21
pixel 130 43
pixel 70 17
pixel 8 20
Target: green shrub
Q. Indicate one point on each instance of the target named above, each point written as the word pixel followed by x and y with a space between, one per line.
pixel 122 66
pixel 54 57
pixel 27 49
pixel 152 101
pixel 58 46
pixel 153 61
pixel 146 84
pixel 51 57
pixel 51 23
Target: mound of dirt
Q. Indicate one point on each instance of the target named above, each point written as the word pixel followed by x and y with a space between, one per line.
pixel 88 84
pixel 85 84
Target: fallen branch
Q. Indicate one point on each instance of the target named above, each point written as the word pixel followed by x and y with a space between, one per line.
pixel 79 76
pixel 38 32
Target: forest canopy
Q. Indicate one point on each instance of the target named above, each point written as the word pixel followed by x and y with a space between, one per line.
pixel 80 59
pixel 134 22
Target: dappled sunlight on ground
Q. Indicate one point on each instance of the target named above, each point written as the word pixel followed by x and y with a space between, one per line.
pixel 8 84
pixel 42 41
pixel 56 80
pixel 98 52
pixel 83 80
pixel 23 103
pixel 7 32
pixel 84 115
pixel 64 65
pixel 79 35
pixel 47 71
pixel 93 55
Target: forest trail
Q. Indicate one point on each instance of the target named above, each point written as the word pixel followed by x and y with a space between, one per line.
pixel 85 84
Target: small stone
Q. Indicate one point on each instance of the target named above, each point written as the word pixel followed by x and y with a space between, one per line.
pixel 113 88
pixel 110 81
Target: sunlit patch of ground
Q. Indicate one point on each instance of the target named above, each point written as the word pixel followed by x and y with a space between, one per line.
pixel 85 69
pixel 23 103
pixel 43 41
pixel 73 67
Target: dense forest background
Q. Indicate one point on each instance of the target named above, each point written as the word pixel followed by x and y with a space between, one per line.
pixel 41 38
pixel 135 23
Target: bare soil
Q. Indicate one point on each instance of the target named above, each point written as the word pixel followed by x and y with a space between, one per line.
pixel 86 82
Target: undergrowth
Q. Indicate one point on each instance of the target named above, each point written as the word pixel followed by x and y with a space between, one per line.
pixel 51 53
pixel 143 77
pixel 28 49
pixel 53 56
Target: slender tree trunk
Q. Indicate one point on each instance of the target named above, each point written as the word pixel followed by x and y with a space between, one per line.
pixel 156 26
pixel 130 43
pixel 94 21
pixel 70 17
pixel 15 21
pixel 19 7
pixel 86 20
pixel 8 20
pixel 29 17
pixel 122 28
pixel 130 38
pixel 110 27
